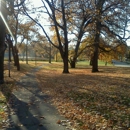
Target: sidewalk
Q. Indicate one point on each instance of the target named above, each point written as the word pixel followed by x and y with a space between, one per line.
pixel 29 109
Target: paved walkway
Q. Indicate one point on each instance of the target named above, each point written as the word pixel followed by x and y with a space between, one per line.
pixel 28 108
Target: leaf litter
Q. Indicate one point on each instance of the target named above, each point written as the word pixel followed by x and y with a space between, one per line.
pixel 90 101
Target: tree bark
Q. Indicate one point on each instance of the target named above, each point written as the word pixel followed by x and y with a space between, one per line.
pixel 97 34
pixel 65 46
pixel 91 61
pixel 65 65
pixel 72 63
pixel 95 59
pixel 96 45
pixel 2 42
pixel 17 58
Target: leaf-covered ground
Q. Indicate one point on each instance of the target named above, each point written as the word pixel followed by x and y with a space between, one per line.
pixel 91 101
pixel 7 88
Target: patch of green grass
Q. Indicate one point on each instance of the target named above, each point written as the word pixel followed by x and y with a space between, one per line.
pixel 87 63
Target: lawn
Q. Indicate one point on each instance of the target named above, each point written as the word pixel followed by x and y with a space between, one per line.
pixel 91 101
pixel 87 63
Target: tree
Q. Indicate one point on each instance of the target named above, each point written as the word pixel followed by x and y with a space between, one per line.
pixel 42 46
pixel 99 19
pixel 105 17
pixel 6 8
pixel 2 39
pixel 52 9
pixel 79 19
pixel 108 52
pixel 96 18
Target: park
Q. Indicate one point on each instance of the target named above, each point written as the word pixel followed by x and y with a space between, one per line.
pixel 86 100
pixel 64 65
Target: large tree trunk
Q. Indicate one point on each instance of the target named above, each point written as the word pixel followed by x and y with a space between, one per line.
pixel 72 63
pixel 97 34
pixel 65 65
pixel 2 49
pixel 95 59
pixel 96 44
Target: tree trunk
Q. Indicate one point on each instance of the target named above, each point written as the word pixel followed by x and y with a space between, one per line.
pixel 72 63
pixel 50 54
pixel 1 65
pixel 13 52
pixel 96 44
pixel 91 61
pixel 50 59
pixel 2 49
pixel 65 65
pixel 17 58
pixel 27 52
pixel 99 7
pixel 95 59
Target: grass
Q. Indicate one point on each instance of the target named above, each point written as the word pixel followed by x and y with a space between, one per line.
pixel 86 63
pixel 90 100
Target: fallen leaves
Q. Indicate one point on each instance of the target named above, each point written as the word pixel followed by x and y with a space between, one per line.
pixel 58 122
pixel 7 88
pixel 90 100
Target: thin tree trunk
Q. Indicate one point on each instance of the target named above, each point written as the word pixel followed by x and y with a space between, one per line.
pixel 13 52
pixel 50 54
pixel 27 52
pixel 17 58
